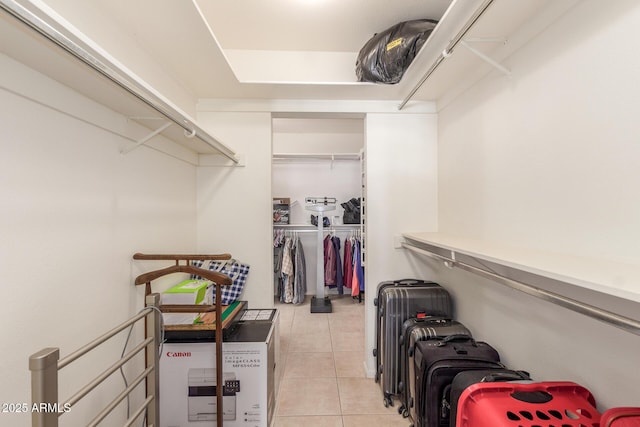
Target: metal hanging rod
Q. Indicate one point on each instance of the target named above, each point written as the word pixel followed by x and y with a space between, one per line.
pixel 447 51
pixel 316 156
pixel 107 68
pixel 622 322
pixel 312 228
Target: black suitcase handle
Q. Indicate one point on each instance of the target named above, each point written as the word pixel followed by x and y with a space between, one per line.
pixel 431 319
pixel 456 338
pixel 505 376
pixel 413 282
pixel 408 282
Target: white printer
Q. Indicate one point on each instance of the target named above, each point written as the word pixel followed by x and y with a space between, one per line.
pixel 202 394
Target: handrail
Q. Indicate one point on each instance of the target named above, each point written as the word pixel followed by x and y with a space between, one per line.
pixel 106 67
pixel 101 339
pixel 106 373
pixel 116 401
pixel 46 364
pixel 614 319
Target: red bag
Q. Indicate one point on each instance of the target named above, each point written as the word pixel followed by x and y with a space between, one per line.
pixel 527 404
pixel 621 417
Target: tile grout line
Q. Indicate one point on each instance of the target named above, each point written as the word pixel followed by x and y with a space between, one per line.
pixel 335 368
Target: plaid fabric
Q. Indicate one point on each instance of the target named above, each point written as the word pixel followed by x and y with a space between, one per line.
pixel 237 271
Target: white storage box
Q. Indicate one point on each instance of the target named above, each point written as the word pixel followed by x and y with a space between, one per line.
pixel 187 292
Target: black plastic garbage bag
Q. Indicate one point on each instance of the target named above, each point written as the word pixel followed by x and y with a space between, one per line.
pixel 387 55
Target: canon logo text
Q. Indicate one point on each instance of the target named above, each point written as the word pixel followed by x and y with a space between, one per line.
pixel 178 354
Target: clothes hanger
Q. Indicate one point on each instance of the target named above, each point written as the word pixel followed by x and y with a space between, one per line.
pixel 217 278
pixel 147 278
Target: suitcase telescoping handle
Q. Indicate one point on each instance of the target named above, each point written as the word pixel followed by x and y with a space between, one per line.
pixel 411 282
pixel 407 282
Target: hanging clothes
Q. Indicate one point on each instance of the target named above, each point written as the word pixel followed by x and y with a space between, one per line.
pixel 329 263
pixel 359 269
pixel 300 268
pixel 278 250
pixel 335 240
pixel 287 271
pixel 290 268
pixel 357 281
pixel 347 274
pixel 355 285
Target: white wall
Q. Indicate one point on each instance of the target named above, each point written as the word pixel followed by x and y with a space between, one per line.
pixel 234 203
pixel 401 195
pixel 300 178
pixel 318 135
pixel 548 159
pixel 308 178
pixel 74 211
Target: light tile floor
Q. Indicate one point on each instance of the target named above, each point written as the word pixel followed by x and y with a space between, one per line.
pixel 323 380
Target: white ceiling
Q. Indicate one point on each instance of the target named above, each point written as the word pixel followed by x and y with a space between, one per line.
pixel 217 52
pixel 309 25
pixel 194 41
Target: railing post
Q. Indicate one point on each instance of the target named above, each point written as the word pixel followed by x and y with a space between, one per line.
pixel 44 386
pixel 153 359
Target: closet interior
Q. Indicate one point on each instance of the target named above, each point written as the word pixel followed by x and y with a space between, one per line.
pixel 318 189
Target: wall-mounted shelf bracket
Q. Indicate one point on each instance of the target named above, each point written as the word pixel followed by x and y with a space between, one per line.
pixel 486 58
pixel 146 138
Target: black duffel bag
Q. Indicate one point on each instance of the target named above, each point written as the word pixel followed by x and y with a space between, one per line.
pixel 386 56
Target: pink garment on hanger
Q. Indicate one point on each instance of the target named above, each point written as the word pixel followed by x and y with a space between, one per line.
pixel 348 263
pixel 355 286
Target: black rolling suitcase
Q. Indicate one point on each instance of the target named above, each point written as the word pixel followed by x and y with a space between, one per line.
pixel 414 330
pixel 398 301
pixel 466 378
pixel 437 362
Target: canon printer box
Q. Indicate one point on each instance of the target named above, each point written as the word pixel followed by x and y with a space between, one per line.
pixel 188 380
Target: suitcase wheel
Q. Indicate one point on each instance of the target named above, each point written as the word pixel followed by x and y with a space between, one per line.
pixel 377 377
pixel 375 301
pixel 387 401
pixel 405 413
pixel 375 352
pixel 400 409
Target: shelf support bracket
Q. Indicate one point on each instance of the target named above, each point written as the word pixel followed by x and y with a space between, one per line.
pixel 484 57
pixel 146 138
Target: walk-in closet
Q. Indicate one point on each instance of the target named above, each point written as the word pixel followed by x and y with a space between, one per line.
pixel 140 137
